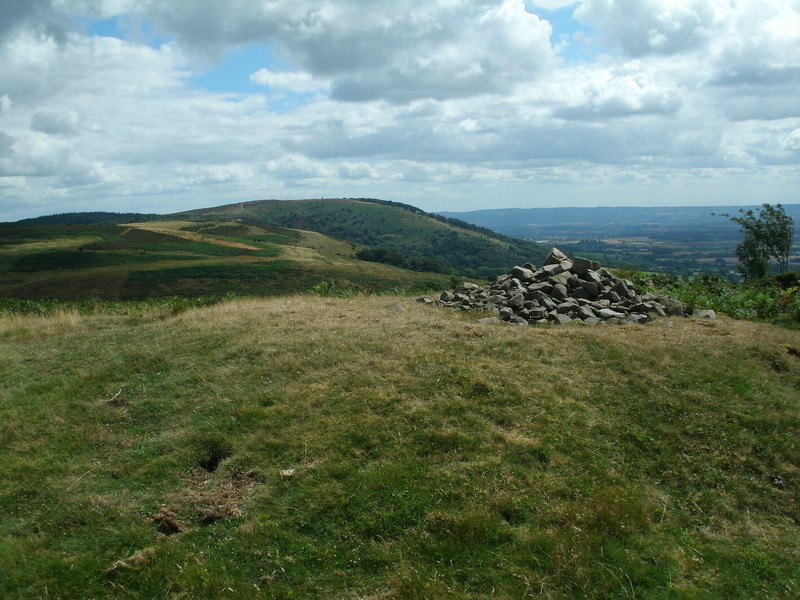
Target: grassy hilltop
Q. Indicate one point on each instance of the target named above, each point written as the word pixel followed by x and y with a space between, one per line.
pixel 316 447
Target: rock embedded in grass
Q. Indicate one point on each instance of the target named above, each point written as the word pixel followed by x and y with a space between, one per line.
pixel 561 291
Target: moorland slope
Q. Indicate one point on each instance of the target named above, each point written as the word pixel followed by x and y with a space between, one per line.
pixel 159 258
pixel 318 447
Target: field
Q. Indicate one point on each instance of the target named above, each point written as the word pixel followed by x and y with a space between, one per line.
pixel 181 258
pixel 322 447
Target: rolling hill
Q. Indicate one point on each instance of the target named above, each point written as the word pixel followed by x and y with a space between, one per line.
pixel 183 258
pixel 253 248
pixel 391 226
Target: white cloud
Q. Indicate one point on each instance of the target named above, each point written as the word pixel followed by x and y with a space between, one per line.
pixel 453 98
pixel 792 141
pixel 400 51
pixel 621 92
pixel 641 27
pixel 293 81
pixel 552 4
pixel 66 123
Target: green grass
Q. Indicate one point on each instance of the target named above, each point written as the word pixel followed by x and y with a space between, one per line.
pixel 85 262
pixel 72 259
pixel 774 298
pixel 432 457
pixel 152 241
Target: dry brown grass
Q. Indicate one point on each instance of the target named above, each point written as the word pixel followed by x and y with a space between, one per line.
pixel 15 327
pixel 174 228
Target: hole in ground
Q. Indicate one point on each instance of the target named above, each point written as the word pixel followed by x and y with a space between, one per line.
pixel 214 453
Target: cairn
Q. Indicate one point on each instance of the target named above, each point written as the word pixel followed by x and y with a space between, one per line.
pixel 561 291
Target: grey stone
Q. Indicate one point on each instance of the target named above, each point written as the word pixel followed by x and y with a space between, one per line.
pixel 673 308
pixel 466 286
pixel 559 292
pixel 699 313
pixel 506 313
pixel 598 304
pixel 580 294
pixel 541 287
pixel 636 318
pixel 541 275
pixel 446 296
pixel 591 288
pixel 548 304
pixel 562 278
pixel 537 314
pixel 553 269
pixel 396 306
pixel 656 308
pixel 582 265
pixel 517 301
pixel 560 319
pixel 607 313
pixel 593 277
pixel 567 307
pixel 555 257
pixel 522 273
pixel 623 288
pixel 518 320
pixel 505 285
pixel 606 274
pixel 490 321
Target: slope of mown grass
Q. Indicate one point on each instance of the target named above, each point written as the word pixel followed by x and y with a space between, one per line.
pixel 307 447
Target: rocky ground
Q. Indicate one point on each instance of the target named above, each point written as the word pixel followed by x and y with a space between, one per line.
pixel 561 291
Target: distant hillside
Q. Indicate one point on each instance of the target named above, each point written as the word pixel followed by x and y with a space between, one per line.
pixel 88 218
pixel 666 222
pixel 390 226
pixel 183 258
pixel 673 239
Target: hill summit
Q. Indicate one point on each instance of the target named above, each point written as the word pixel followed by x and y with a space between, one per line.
pixel 436 243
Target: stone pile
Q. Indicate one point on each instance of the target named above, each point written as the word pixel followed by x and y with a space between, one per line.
pixel 561 291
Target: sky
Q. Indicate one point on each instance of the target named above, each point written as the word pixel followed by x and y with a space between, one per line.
pixel 449 105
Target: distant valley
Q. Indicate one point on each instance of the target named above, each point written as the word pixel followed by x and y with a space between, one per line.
pixel 677 239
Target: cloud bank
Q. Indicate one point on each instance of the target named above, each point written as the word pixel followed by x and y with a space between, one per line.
pixel 447 104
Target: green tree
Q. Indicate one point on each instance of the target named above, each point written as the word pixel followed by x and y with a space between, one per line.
pixel 753 257
pixel 768 233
